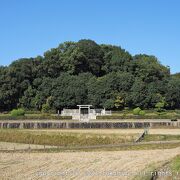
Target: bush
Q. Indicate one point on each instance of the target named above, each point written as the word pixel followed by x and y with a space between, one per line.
pixel 33 112
pixel 160 106
pixel 45 108
pixel 142 113
pixel 136 111
pixel 177 111
pixel 119 117
pixel 35 118
pixel 17 112
pixel 161 113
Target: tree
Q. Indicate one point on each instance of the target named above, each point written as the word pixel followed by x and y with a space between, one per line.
pixel 137 94
pixel 172 95
pixel 85 72
pixel 26 100
pixel 160 106
pixel 92 54
pixel 148 69
pixel 45 108
pixel 100 91
pixel 119 102
pixel 68 91
pixel 109 104
pixel 115 59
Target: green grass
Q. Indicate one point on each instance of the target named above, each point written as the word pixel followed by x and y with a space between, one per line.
pixel 172 166
pixel 67 141
pixel 175 164
pixel 77 139
pixel 147 116
pixel 34 117
pixel 156 137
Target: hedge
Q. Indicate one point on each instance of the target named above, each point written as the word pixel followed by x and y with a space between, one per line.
pixel 136 111
pixel 36 118
pixel 139 117
pixel 39 112
pixel 17 112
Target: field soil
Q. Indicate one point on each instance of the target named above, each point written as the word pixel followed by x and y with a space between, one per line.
pixel 81 165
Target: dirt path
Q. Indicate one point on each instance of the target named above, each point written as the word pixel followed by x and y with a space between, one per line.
pixel 90 131
pixel 80 165
pixel 165 131
pixel 112 131
pixel 21 146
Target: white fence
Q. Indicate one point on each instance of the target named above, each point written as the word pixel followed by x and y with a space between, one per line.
pixel 69 112
pixel 92 113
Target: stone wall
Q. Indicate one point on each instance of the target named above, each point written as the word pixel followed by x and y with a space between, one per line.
pixel 93 125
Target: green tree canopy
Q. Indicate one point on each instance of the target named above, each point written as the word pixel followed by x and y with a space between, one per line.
pixel 85 72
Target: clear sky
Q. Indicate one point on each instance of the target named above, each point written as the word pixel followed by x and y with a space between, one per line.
pixel 30 27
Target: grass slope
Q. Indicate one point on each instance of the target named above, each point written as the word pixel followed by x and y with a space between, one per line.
pixel 63 138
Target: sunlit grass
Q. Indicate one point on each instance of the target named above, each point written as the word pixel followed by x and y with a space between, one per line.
pixel 159 137
pixel 63 138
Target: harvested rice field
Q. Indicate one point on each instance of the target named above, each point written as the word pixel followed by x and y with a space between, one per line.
pixel 115 163
pixel 81 165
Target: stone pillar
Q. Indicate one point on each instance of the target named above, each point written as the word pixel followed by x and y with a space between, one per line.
pixel 88 113
pixel 35 125
pixel 133 125
pixel 21 126
pixel 79 113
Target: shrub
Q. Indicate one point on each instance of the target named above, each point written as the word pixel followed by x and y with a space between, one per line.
pixel 142 113
pixel 119 102
pixel 177 111
pixel 35 118
pixel 136 111
pixel 162 113
pixel 119 117
pixel 17 112
pixel 45 108
pixel 160 106
pixel 32 112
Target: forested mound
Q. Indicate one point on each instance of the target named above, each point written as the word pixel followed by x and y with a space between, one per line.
pixel 85 72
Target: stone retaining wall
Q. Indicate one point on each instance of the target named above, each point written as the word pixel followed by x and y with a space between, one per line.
pixel 88 125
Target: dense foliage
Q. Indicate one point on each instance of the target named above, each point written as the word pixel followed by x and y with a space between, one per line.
pixel 87 73
pixel 18 112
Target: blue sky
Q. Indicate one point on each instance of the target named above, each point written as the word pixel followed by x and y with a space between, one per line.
pixel 29 28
